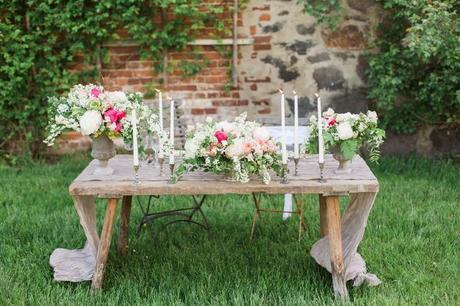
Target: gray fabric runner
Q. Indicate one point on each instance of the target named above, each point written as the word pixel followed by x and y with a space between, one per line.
pixel 78 265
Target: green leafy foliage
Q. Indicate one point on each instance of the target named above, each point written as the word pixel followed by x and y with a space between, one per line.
pixel 325 11
pixel 415 78
pixel 41 40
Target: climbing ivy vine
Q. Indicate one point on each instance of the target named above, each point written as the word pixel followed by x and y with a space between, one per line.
pixel 41 40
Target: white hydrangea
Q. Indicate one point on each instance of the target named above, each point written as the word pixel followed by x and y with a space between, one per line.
pixel 344 130
pixel 118 99
pixel 62 108
pixel 372 116
pixel 191 148
pixel 329 113
pixel 90 122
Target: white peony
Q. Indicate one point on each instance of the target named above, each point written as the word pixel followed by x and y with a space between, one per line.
pixel 235 149
pixel 90 122
pixel 372 116
pixel 261 133
pixel 313 119
pixel 344 131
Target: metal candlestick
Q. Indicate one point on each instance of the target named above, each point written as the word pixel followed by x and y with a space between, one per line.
pixel 321 173
pixel 296 165
pixel 161 160
pixel 284 179
pixel 171 174
pixel 136 175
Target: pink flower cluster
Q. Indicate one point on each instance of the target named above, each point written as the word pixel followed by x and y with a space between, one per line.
pixel 114 117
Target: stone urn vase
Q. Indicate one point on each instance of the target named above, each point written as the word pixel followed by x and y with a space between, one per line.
pixel 103 149
pixel 344 163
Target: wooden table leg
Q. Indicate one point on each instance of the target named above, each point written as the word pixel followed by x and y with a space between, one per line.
pixel 336 248
pixel 104 244
pixel 322 216
pixel 122 245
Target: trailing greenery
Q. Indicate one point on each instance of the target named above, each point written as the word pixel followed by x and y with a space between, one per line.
pixel 40 41
pixel 414 79
pixel 411 243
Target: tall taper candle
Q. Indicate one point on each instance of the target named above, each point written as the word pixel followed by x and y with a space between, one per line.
pixel 296 125
pixel 171 131
pixel 320 132
pixel 135 147
pixel 283 130
pixel 160 118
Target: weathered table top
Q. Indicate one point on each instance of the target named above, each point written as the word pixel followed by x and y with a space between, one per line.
pixel 121 182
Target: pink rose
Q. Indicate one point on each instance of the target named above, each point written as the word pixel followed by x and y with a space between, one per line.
pixel 332 122
pixel 112 114
pixel 95 92
pixel 118 127
pixel 221 136
pixel 121 115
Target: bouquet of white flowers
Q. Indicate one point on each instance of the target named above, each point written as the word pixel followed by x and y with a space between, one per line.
pixel 236 149
pixel 95 112
pixel 345 133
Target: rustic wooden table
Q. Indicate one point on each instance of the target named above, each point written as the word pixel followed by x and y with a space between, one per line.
pixel 121 186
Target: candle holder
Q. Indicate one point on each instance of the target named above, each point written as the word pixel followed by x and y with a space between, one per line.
pixel 161 160
pixel 171 174
pixel 136 175
pixel 296 165
pixel 321 173
pixel 285 171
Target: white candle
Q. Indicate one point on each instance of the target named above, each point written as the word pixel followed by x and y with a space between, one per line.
pixel 135 148
pixel 283 130
pixel 320 132
pixel 160 119
pixel 296 125
pixel 171 131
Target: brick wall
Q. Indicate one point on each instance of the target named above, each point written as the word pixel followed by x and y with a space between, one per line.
pixel 288 50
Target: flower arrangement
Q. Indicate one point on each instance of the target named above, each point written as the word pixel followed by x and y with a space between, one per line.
pixel 95 112
pixel 344 134
pixel 237 149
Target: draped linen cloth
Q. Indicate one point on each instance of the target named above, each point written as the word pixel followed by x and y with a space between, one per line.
pixel 354 223
pixel 79 264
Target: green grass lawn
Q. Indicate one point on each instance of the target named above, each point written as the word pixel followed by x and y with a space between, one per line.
pixel 412 243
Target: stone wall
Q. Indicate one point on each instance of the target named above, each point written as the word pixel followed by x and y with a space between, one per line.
pixel 288 50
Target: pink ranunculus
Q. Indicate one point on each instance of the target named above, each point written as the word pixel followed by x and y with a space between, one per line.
pixel 221 136
pixel 247 148
pixel 95 92
pixel 262 144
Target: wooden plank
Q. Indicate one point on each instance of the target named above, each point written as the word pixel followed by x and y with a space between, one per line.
pixel 104 244
pixel 335 245
pixel 322 216
pixel 116 188
pixel 122 245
